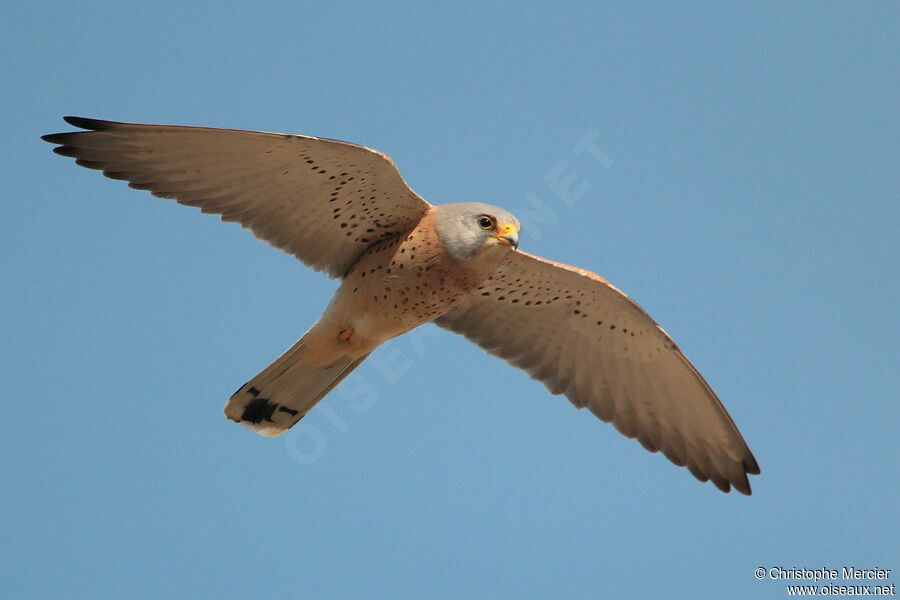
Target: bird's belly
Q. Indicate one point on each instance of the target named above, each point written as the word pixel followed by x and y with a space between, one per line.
pixel 395 288
pixel 384 307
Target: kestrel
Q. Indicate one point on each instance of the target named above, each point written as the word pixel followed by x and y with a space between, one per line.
pixel 345 209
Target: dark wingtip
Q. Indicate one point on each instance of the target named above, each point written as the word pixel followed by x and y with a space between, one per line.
pixel 90 164
pixel 722 484
pixel 743 486
pixel 91 124
pixel 752 466
pixel 83 123
pixel 65 150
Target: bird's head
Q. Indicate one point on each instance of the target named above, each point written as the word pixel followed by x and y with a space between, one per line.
pixel 470 230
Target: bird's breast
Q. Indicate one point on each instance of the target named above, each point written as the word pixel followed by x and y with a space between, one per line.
pixel 399 284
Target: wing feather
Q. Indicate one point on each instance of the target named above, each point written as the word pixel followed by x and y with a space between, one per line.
pixel 581 336
pixel 324 201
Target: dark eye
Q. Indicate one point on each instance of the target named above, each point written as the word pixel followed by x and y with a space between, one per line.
pixel 486 222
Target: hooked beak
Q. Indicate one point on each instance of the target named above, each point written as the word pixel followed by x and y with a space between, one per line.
pixel 509 236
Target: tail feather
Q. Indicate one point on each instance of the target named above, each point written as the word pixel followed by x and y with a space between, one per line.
pixel 282 393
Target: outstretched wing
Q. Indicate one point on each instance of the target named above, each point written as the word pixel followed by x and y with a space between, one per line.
pixel 580 336
pixel 324 201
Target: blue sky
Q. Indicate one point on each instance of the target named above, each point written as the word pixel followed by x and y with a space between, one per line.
pixel 747 198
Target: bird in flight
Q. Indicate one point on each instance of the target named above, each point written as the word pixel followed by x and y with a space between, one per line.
pixel 344 209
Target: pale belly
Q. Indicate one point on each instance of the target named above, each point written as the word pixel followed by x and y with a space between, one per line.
pixel 396 286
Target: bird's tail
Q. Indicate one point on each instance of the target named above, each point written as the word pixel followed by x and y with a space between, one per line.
pixel 282 393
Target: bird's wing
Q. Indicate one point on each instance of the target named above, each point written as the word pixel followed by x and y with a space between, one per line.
pixel 324 201
pixel 578 335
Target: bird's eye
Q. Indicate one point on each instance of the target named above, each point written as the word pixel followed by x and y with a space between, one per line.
pixel 486 222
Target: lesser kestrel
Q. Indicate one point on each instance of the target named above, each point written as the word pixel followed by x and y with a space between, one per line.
pixel 345 209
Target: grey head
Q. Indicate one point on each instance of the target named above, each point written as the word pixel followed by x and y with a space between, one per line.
pixel 471 229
